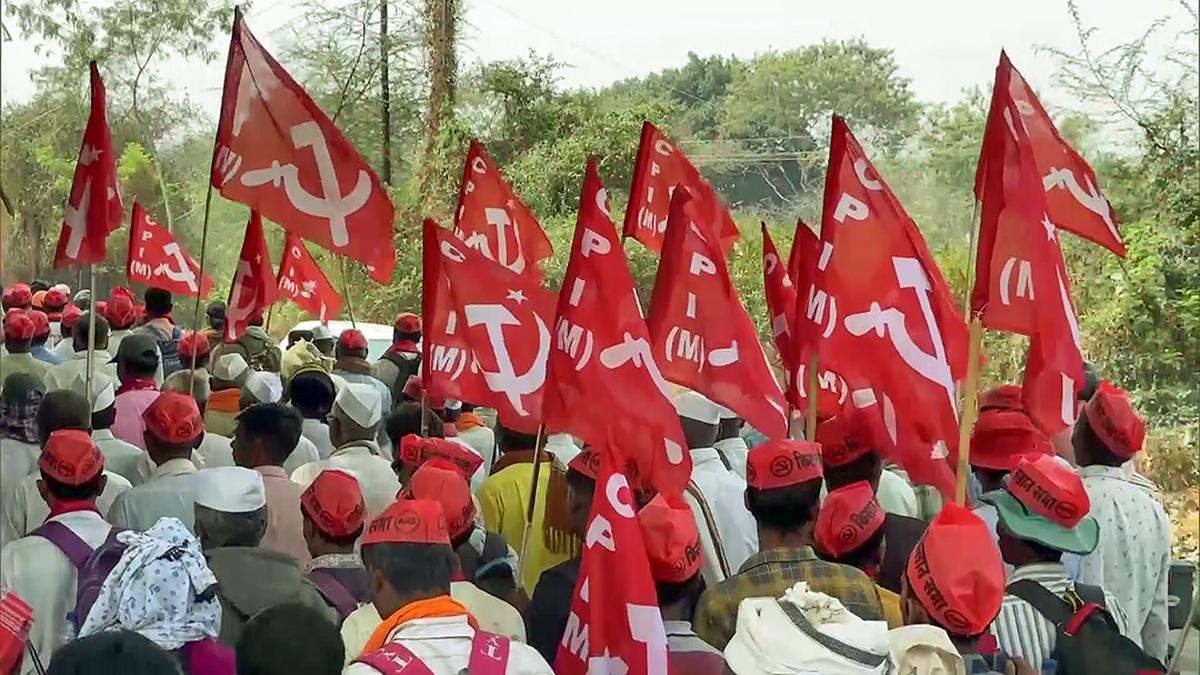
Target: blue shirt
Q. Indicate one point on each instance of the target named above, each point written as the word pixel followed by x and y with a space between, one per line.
pixel 42 353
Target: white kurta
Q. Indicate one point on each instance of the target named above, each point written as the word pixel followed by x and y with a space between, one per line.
pixel 562 447
pixel 375 477
pixel 493 614
pixel 25 509
pixel 214 451
pixel 483 441
pixel 18 459
pixel 444 645
pixel 896 496
pixel 75 366
pixel 724 494
pixel 1134 554
pixel 170 491
pixel 735 451
pixel 302 454
pixel 317 432
pixel 42 576
pixel 119 457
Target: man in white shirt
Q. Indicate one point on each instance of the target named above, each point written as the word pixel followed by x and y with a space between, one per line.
pixel 474 431
pixel 408 557
pixel 730 443
pixel 715 494
pixel 42 569
pixel 1042 514
pixel 173 430
pixel 353 425
pixel 1134 553
pixel 75 365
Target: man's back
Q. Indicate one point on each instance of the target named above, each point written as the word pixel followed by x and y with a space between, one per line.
pixel 23 363
pixel 129 426
pixel 1134 554
pixel 504 499
pixel 444 646
pixel 75 367
pixel 251 579
pixel 769 574
pixel 171 491
pixel 119 457
pixel 723 510
pixel 26 509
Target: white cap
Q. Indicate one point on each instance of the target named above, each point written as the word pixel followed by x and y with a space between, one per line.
pixel 231 489
pixel 104 390
pixel 694 406
pixel 62 287
pixel 264 387
pixel 321 332
pixel 727 414
pixel 229 367
pixel 361 403
pixel 453 404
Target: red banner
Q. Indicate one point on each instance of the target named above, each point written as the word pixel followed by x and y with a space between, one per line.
pixel 277 153
pixel 446 357
pixel 302 281
pixel 156 259
pixel 253 289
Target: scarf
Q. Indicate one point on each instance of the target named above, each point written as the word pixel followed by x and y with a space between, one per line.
pixel 403 347
pixel 136 384
pixel 469 420
pixel 432 608
pixel 225 400
pixel 72 506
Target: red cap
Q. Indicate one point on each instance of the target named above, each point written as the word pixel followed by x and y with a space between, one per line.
pixel 71 457
pixel 101 307
pixel 1001 435
pixel 1111 417
pixel 334 503
pixel 1050 489
pixel 414 388
pixel 41 322
pixel 439 481
pixel 416 450
pixel 119 311
pixel 18 326
pixel 191 341
pixel 18 295
pixel 1003 397
pixel 70 316
pixel 409 521
pixel 173 418
pixel 55 300
pixel 352 340
pixel 122 292
pixel 782 463
pixel 586 462
pixel 842 439
pixel 672 540
pixel 407 322
pixel 955 572
pixel 849 517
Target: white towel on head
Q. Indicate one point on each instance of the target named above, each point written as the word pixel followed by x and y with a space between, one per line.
pixel 160 588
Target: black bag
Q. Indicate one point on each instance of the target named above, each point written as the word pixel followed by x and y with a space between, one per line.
pixel 1087 640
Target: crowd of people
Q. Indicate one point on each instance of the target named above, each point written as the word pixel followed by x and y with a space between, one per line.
pixel 203 507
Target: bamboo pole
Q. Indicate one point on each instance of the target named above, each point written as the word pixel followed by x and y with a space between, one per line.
pixel 966 420
pixel 810 428
pixel 91 345
pixel 974 242
pixel 346 293
pixel 203 250
pixel 533 492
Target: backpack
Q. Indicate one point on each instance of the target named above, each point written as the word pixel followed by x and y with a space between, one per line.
pixel 168 348
pixel 337 595
pixel 1087 640
pixel 406 367
pixel 92 567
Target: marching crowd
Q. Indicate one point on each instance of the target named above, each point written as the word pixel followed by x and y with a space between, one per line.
pixel 200 507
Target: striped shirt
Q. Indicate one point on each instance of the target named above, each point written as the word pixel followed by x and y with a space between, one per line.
pixel 1022 631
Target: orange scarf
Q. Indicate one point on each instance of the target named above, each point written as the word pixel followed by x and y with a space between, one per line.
pixel 469 420
pixel 432 608
pixel 225 400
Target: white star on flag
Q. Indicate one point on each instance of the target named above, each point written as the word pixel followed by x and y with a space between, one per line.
pixel 88 154
pixel 517 296
pixel 1050 228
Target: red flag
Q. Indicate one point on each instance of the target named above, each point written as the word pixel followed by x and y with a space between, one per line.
pixel 506 317
pixel 603 384
pixel 302 281
pixel 156 259
pixel 492 219
pixel 877 290
pixel 1021 280
pixel 253 289
pixel 446 365
pixel 702 331
pixel 1073 200
pixel 277 153
pixel 94 207
pixel 659 169
pixel 805 246
pixel 832 389
pixel 781 309
pixel 614 625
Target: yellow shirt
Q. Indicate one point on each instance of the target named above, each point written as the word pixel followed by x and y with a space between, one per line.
pixel 891 607
pixel 503 498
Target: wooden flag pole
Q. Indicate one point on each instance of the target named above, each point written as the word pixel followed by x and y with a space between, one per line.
pixel 966 420
pixel 810 428
pixel 203 250
pixel 91 347
pixel 346 292
pixel 533 492
pixel 974 241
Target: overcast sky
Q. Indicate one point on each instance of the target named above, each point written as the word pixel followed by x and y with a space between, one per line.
pixel 942 46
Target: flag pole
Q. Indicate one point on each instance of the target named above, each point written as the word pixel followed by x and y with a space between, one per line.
pixel 973 242
pixel 810 428
pixel 966 420
pixel 533 492
pixel 346 292
pixel 203 250
pixel 91 346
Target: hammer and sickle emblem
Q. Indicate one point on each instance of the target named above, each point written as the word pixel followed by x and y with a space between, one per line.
pixel 181 273
pixel 506 380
